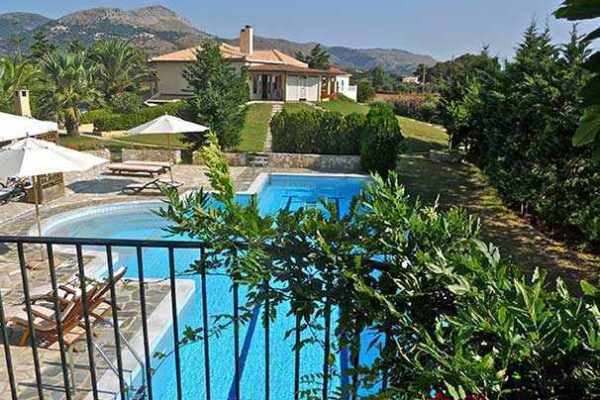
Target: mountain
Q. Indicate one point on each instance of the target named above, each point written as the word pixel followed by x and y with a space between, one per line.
pixel 157 30
pixel 17 27
pixel 401 62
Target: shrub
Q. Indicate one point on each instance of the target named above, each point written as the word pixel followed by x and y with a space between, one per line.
pixel 91 116
pixel 107 120
pixel 126 103
pixel 422 107
pixel 381 140
pixel 365 91
pixel 349 143
pixel 317 132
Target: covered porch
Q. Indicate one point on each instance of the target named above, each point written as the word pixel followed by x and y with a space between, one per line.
pixel 268 86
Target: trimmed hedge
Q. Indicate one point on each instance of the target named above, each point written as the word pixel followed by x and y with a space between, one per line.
pixel 377 137
pixel 107 120
pixel 316 132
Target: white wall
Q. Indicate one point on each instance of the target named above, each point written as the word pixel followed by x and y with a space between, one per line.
pixel 343 84
pixel 299 87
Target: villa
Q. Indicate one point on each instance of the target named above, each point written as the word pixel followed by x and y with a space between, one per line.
pixel 274 75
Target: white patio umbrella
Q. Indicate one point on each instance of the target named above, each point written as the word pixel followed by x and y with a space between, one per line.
pixel 32 157
pixel 167 125
pixel 14 127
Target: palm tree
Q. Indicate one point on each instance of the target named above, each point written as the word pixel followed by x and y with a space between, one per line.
pixel 17 73
pixel 70 86
pixel 120 67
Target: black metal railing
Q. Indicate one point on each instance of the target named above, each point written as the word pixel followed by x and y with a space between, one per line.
pixel 87 319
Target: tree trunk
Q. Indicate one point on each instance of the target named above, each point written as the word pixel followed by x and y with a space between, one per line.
pixel 72 122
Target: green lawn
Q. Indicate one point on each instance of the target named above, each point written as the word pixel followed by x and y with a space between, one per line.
pixel 255 129
pixel 295 107
pixel 345 107
pixel 176 141
pixel 82 143
pixel 422 137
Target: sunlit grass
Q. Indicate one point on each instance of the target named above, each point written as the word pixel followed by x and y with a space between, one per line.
pixel 255 129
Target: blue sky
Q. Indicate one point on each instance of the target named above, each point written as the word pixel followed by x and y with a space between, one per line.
pixel 441 28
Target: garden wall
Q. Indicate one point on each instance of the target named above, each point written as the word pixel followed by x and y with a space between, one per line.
pixel 151 155
pixel 234 159
pixel 319 162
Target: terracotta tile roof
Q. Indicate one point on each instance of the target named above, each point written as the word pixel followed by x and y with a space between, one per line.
pixel 233 53
pixel 337 71
pixel 285 68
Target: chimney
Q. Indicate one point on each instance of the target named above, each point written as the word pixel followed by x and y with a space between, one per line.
pixel 247 40
pixel 21 103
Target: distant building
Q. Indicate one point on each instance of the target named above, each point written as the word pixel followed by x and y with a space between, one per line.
pixel 411 80
pixel 274 75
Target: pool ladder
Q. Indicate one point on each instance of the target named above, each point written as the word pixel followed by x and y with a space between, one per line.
pixel 133 393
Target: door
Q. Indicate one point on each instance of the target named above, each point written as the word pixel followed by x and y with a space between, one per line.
pixel 302 83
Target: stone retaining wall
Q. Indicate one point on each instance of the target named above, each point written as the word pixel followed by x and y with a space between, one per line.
pixel 234 159
pixel 319 162
pixel 152 155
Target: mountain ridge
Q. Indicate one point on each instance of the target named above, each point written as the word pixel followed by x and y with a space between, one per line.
pixel 157 29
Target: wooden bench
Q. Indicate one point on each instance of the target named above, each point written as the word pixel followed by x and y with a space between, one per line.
pixel 165 165
pixel 121 168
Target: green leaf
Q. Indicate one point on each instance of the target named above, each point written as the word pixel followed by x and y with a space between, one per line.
pixel 452 391
pixel 575 10
pixel 591 92
pixel 588 289
pixel 595 34
pixel 502 313
pixel 593 63
pixel 589 128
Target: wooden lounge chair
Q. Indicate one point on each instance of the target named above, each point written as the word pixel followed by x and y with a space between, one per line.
pixel 165 165
pixel 71 289
pixel 124 168
pixel 153 185
pixel 72 313
pixel 44 322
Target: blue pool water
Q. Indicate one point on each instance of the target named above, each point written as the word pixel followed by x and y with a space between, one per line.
pixel 137 221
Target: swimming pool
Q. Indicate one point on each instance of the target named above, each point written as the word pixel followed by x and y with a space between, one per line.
pixel 137 221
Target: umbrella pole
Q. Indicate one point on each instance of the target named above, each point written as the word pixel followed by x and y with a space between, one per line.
pixel 36 199
pixel 170 157
pixel 38 220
